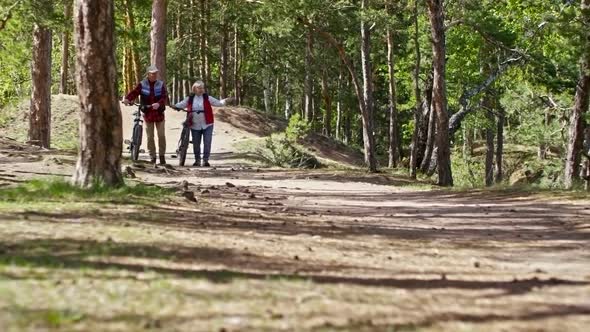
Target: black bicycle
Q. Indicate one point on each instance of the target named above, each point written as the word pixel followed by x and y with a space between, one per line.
pixel 137 134
pixel 184 140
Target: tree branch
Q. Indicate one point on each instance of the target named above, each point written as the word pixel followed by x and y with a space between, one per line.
pixel 8 15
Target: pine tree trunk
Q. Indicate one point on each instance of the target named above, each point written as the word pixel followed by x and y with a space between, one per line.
pixel 489 162
pixel 158 37
pixel 40 109
pixel 393 151
pixel 439 96
pixel 339 107
pixel 101 138
pixel 577 123
pixel 223 69
pixel 327 120
pixel 237 54
pixel 417 93
pixel 367 93
pixel 430 138
pixel 500 145
pixel 65 51
pixel 308 81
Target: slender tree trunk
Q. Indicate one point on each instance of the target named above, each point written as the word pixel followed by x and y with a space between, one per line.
pixel 266 93
pixel 223 67
pixel 417 93
pixel 393 125
pixel 237 89
pixel 467 142
pixel 327 121
pixel 101 138
pixel 489 162
pixel 439 94
pixel 40 109
pixel 65 51
pixel 500 145
pixel 339 107
pixel 577 123
pixel 430 138
pixel 308 81
pixel 204 29
pixel 158 37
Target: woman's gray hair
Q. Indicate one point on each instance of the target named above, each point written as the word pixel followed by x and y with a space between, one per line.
pixel 197 84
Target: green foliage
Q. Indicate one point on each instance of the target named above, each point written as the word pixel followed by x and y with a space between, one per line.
pixel 298 128
pixel 59 190
pixel 282 152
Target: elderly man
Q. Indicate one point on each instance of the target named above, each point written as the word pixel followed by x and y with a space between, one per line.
pixel 152 92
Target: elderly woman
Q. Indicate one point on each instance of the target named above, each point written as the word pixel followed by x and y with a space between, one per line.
pixel 202 120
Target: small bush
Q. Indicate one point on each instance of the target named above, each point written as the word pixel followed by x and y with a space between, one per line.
pixel 297 129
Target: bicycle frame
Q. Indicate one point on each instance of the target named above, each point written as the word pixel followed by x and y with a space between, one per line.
pixel 137 133
pixel 184 140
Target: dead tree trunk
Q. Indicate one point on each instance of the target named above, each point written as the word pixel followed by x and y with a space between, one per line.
pixel 101 138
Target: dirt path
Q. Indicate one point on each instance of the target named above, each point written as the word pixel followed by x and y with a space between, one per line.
pixel 224 136
pixel 273 249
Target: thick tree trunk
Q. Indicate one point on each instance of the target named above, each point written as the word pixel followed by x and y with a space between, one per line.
pixel 439 95
pixel 40 110
pixel 65 51
pixel 101 138
pixel 500 145
pixel 367 94
pixel 158 37
pixel 393 151
pixel 577 123
pixel 417 96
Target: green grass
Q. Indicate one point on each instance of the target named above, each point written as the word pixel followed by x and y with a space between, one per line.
pixel 59 190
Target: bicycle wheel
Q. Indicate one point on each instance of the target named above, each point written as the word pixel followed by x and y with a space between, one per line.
pixel 183 146
pixel 136 142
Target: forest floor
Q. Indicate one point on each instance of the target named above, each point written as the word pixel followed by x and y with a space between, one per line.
pixel 267 249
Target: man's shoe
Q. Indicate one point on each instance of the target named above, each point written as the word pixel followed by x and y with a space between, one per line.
pixel 162 160
pixel 206 163
pixel 197 163
pixel 153 160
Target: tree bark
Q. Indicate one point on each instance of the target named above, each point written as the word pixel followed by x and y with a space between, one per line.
pixel 417 96
pixel 40 109
pixel 308 80
pixel 430 138
pixel 327 120
pixel 101 138
pixel 158 37
pixel 393 151
pixel 577 123
pixel 439 96
pixel 237 55
pixel 489 161
pixel 367 70
pixel 500 145
pixel 223 66
pixel 65 51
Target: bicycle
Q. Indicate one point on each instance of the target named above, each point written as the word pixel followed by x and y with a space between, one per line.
pixel 137 134
pixel 184 140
